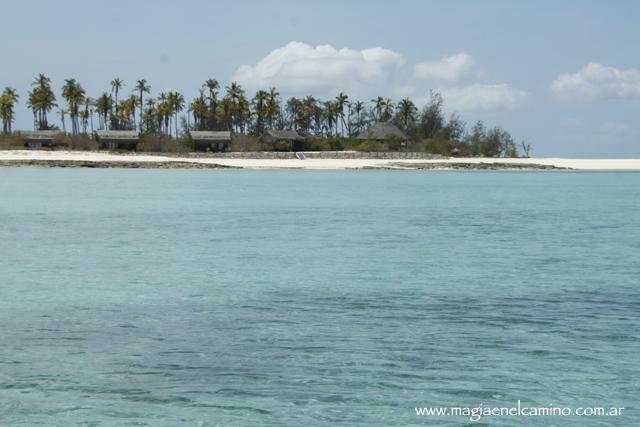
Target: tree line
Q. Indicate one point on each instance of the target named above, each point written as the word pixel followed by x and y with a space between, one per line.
pixel 231 109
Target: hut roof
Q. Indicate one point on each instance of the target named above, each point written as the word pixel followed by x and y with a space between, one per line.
pixel 197 135
pixel 39 135
pixel 284 135
pixel 120 135
pixel 380 130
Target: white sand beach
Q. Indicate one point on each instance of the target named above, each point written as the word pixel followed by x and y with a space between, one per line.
pixel 9 156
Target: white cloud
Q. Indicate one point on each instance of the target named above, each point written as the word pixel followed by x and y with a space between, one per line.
pixel 483 97
pixel 449 68
pixel 596 81
pixel 299 67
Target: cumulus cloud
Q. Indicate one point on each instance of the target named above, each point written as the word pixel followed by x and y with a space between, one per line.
pixel 596 81
pixel 483 97
pixel 449 68
pixel 299 67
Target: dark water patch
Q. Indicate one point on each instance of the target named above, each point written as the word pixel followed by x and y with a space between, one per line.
pixel 234 392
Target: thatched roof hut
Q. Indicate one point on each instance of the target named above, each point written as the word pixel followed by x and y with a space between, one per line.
pixel 291 136
pixel 294 139
pixel 210 140
pixel 380 130
pixel 118 139
pixel 39 138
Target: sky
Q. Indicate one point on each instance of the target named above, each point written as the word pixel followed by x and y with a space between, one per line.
pixel 562 76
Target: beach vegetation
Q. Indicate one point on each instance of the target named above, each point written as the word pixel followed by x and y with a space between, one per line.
pixel 341 123
pixel 8 100
pixel 281 146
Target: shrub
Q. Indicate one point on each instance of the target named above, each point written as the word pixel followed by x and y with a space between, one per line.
pixel 393 142
pixel 350 144
pixel 315 143
pixel 78 142
pixel 438 146
pixel 335 144
pixel 11 142
pixel 370 145
pixel 414 146
pixel 244 143
pixel 164 144
pixel 281 146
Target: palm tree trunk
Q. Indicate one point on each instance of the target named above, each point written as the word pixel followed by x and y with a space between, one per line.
pixel 141 104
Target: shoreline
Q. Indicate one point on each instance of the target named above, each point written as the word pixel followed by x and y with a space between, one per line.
pixel 104 159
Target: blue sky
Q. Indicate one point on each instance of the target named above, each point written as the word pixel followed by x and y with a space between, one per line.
pixel 564 76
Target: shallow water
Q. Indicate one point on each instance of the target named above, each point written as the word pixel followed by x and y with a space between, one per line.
pixel 206 297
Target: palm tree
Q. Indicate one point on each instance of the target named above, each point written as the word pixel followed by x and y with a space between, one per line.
pixel 163 111
pixel 141 87
pixel 8 100
pixel 116 85
pixel 103 105
pixel 309 114
pixel 84 119
pixel 176 104
pixel 131 103
pixel 126 115
pixel 379 104
pixel 199 109
pixel 387 110
pixel 341 101
pixel 273 106
pixel 259 102
pixel 41 100
pixel 234 92
pixel 74 94
pixel 406 113
pixel 150 115
pixel 89 104
pixel 358 109
pixel 331 116
pixel 225 112
pixel 62 113
pixel 212 85
pixel 244 113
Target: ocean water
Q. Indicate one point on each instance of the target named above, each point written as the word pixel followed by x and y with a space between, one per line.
pixel 300 298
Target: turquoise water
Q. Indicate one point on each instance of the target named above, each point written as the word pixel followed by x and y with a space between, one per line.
pixel 205 297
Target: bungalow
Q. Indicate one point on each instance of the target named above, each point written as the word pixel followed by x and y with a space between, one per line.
pixel 294 139
pixel 117 139
pixel 39 138
pixel 210 140
pixel 379 131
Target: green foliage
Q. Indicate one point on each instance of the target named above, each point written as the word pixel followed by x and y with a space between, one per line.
pixel 41 100
pixel 281 146
pixel 11 142
pixel 393 142
pixel 335 143
pixel 314 143
pixel 163 144
pixel 78 142
pixel 245 143
pixel 438 146
pixel 432 118
pixel 350 144
pixel 8 99
pixel 370 145
pixel 328 124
